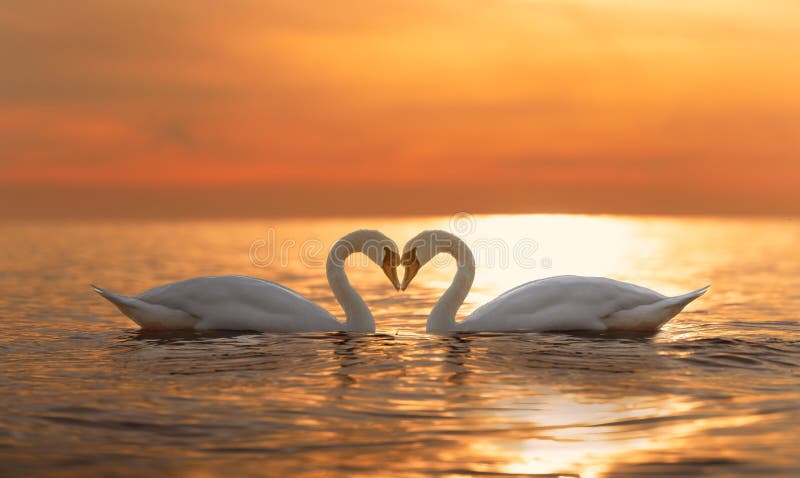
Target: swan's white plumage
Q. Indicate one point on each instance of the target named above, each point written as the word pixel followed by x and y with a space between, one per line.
pixel 576 303
pixel 224 302
pixel 148 315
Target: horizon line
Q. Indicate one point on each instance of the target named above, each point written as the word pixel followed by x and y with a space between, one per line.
pixel 376 200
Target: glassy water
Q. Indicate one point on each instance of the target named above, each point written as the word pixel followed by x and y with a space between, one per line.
pixel 715 393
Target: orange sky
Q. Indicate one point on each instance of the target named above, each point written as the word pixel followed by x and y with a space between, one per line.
pixel 535 105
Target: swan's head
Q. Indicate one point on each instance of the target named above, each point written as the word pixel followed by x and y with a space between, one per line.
pixel 378 248
pixel 420 249
pixel 389 260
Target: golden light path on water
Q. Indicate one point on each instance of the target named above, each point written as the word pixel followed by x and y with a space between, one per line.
pixel 715 391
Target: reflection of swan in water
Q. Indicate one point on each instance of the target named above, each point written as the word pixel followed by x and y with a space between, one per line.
pixel 607 364
pixel 346 350
pixel 555 303
pixel 168 337
pixel 454 364
pixel 247 303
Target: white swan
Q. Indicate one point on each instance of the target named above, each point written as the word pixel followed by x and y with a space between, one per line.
pixel 247 303
pixel 551 304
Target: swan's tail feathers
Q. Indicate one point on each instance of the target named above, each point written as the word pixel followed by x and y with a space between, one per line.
pixel 149 316
pixel 651 317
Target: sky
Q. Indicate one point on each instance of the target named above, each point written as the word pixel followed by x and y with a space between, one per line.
pixel 399 106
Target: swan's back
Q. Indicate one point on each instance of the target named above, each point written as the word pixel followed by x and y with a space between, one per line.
pixel 559 303
pixel 242 303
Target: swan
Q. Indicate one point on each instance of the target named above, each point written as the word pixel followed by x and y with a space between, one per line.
pixel 551 304
pixel 245 303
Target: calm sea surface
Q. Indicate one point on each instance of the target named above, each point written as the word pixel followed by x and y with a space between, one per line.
pixel 715 393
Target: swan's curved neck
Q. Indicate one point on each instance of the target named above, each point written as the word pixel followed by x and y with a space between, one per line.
pixel 358 316
pixel 443 315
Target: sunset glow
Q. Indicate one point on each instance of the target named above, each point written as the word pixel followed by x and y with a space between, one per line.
pixel 575 105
